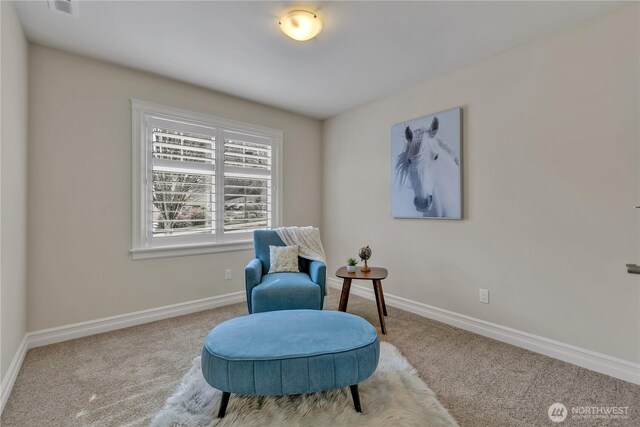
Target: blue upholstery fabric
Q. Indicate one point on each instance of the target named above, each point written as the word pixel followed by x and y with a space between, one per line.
pixel 290 352
pixel 291 290
pixel 254 271
pixel 262 239
pixel 281 291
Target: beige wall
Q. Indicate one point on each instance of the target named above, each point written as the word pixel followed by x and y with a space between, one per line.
pixel 13 177
pixel 551 175
pixel 80 190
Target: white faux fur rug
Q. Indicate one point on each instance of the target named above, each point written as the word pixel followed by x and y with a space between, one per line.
pixel 393 396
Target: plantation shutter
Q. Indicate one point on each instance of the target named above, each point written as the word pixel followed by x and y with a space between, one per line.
pixel 201 184
pixel 183 179
pixel 248 182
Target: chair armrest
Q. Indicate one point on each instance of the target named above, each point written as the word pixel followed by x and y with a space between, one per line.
pixel 252 277
pixel 318 274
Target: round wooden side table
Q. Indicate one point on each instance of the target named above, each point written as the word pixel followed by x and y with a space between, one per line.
pixel 376 275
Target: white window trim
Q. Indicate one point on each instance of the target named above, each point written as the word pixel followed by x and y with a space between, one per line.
pixel 141 248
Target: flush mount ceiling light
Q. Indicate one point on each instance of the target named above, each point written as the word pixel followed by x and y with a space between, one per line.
pixel 301 25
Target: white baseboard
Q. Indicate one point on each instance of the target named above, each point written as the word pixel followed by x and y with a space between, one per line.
pixel 107 324
pixel 602 363
pixel 12 373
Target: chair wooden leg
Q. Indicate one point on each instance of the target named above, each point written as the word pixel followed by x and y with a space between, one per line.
pixel 344 296
pixel 355 395
pixel 223 404
pixel 377 290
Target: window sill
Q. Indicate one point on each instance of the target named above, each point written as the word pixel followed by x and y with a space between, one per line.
pixel 192 249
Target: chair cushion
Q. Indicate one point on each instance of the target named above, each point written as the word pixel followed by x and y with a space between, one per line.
pixel 290 352
pixel 286 291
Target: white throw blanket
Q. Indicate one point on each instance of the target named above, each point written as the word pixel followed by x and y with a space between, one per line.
pixel 306 238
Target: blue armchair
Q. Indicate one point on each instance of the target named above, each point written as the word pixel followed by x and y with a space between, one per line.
pixel 282 291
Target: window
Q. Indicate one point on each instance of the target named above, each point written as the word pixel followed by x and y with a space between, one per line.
pixel 201 184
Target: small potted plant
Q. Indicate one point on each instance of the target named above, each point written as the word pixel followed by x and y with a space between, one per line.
pixel 351 265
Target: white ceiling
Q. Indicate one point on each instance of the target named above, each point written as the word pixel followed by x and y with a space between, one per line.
pixel 366 50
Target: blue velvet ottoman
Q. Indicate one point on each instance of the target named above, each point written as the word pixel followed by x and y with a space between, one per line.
pixel 290 352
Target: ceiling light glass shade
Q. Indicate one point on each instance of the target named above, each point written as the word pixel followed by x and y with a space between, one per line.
pixel 301 25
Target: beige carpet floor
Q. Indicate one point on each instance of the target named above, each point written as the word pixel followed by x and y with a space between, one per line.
pixel 122 378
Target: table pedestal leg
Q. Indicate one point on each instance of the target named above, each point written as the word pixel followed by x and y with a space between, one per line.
pixel 344 296
pixel 377 290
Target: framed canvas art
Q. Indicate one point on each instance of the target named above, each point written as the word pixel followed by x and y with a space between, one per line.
pixel 426 166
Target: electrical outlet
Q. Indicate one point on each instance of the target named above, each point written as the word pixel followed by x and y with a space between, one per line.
pixel 484 296
pixel 227 274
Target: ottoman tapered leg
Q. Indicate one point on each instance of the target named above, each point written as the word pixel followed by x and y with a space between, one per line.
pixel 223 404
pixel 355 395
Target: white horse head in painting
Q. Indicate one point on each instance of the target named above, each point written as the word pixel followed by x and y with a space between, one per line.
pixel 432 170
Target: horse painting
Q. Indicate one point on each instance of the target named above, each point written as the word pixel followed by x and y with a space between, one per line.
pixel 427 167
